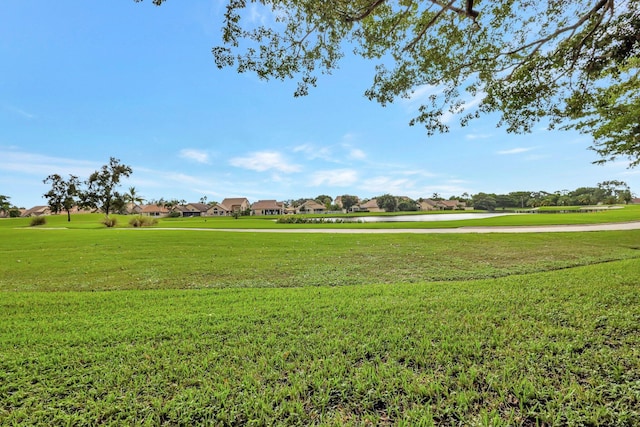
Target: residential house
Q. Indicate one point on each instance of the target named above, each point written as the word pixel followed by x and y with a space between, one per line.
pixel 267 207
pixel 193 209
pixel 441 205
pixel 37 211
pixel 229 206
pixel 369 206
pixel 311 206
pixel 453 204
pixel 428 205
pixel 154 210
pixel 133 208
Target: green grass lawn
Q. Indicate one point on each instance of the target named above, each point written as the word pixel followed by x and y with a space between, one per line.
pixel 553 348
pixel 109 259
pixel 182 327
pixel 92 221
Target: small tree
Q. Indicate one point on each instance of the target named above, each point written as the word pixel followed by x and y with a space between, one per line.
pixel 63 194
pixel 615 191
pixel 349 201
pixel 483 201
pixel 101 186
pixel 387 202
pixel 5 206
pixel 324 200
pixel 407 205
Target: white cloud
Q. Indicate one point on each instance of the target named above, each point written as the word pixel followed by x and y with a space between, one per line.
pixel 382 184
pixel 473 136
pixel 263 161
pixel 37 164
pixel 313 152
pixel 258 14
pixel 421 93
pixel 421 173
pixel 448 116
pixel 198 156
pixel 185 180
pixel 357 154
pixel 19 112
pixel 334 178
pixel 517 150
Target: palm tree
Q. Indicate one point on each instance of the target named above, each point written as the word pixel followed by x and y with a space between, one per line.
pixel 133 197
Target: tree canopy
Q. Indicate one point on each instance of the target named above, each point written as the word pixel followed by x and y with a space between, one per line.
pixel 5 205
pixel 387 202
pixel 573 62
pixel 101 187
pixel 63 193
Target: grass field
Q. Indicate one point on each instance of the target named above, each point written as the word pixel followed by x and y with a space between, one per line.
pixel 92 221
pixel 192 328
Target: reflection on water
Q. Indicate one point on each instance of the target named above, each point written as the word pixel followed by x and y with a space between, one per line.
pixel 417 218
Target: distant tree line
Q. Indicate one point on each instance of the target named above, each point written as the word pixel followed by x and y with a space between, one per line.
pixel 100 192
pixel 607 192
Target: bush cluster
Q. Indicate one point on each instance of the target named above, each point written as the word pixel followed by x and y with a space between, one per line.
pixel 303 220
pixel 143 221
pixel 110 222
pixel 38 220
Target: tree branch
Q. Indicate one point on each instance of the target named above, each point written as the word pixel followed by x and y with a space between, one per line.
pixel 368 11
pixel 468 11
pixel 433 20
pixel 540 42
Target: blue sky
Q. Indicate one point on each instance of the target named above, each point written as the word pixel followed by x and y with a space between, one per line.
pixel 83 81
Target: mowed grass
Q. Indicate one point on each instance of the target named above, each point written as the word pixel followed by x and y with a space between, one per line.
pixel 110 259
pixel 552 348
pixel 93 221
pixel 220 328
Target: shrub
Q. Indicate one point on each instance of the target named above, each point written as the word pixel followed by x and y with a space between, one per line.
pixel 143 221
pixel 174 214
pixel 110 222
pixel 38 220
pixel 305 220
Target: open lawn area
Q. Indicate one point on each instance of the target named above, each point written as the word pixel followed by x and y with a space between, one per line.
pixel 181 327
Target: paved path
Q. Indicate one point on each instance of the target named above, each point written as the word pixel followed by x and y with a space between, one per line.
pixel 617 226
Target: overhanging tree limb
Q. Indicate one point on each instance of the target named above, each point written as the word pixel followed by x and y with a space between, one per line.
pixel 561 75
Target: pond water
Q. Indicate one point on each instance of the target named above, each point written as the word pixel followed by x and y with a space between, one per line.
pixel 418 218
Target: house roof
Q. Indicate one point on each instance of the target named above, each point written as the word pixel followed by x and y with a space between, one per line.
pixel 221 207
pixel 41 210
pixel 154 208
pixel 312 204
pixel 267 204
pixel 201 207
pixel 234 201
pixel 373 203
pixel 451 203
